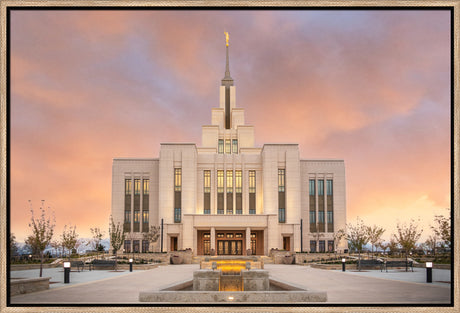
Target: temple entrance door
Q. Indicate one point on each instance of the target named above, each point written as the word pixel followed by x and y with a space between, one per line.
pixel 287 243
pixel 230 247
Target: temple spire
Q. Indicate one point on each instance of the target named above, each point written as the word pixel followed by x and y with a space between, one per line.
pixel 227 80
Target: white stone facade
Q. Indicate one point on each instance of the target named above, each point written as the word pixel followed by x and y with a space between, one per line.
pixel 234 224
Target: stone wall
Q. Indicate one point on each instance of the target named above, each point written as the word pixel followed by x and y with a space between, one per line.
pixel 26 285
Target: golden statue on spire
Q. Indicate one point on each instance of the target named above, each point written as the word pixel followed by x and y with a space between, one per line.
pixel 226 37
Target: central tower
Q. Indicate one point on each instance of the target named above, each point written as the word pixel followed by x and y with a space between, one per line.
pixel 227 83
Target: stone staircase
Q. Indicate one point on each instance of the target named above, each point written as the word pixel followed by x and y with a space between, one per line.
pixel 265 259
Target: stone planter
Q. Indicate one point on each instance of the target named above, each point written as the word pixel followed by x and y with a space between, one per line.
pixel 288 259
pixel 176 259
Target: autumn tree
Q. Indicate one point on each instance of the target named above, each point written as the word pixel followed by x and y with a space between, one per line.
pixel 374 234
pixel 357 237
pixel 69 238
pixel 152 235
pixel 442 230
pixel 117 236
pixel 407 236
pixel 42 232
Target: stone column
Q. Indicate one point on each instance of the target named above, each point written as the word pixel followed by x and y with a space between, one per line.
pixel 248 239
pixel 213 239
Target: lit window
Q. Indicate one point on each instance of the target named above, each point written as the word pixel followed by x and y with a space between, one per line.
pixel 220 181
pixel 281 180
pixel 312 187
pixel 230 235
pixel 238 188
pixel 145 216
pixel 177 179
pixel 220 148
pixel 137 186
pixel 321 187
pixel 220 235
pixel 206 235
pixel 252 181
pixel 136 216
pixel 229 181
pixel 235 146
pixel 207 181
pixel 239 235
pixel 128 186
pixel 228 147
pixel 127 216
pixel 146 186
pixel 329 187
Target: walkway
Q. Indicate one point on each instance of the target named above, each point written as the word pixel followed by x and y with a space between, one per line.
pixel 371 287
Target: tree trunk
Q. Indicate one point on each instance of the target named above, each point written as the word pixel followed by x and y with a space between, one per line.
pixel 41 263
pixel 359 260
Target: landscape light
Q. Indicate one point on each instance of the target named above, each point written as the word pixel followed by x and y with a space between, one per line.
pixel 343 265
pixel 130 265
pixel 230 298
pixel 66 272
pixel 429 264
pixel 130 260
pixel 66 264
pixel 429 272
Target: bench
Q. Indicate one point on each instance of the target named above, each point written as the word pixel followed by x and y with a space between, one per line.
pixel 374 263
pixel 80 265
pixel 103 264
pixel 398 264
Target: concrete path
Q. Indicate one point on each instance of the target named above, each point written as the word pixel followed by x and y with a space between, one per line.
pixel 342 287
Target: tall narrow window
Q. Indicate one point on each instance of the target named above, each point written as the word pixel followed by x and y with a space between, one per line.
pixel 321 187
pixel 281 196
pixel 177 179
pixel 252 192
pixel 238 191
pixel 145 217
pixel 230 192
pixel 220 148
pixel 136 216
pixel 329 187
pixel 228 147
pixel 330 217
pixel 235 145
pixel 137 186
pixel 312 209
pixel 312 187
pixel 177 194
pixel 146 186
pixel 128 186
pixel 281 180
pixel 320 216
pixel 220 192
pixel 207 192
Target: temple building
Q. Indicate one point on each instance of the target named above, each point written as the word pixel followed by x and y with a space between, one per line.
pixel 227 196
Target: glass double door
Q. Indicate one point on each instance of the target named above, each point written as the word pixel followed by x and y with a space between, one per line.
pixel 229 247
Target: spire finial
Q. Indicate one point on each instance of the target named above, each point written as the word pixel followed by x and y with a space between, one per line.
pixel 227 80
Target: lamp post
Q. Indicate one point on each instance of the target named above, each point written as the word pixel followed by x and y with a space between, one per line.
pixel 130 265
pixel 429 272
pixel 343 265
pixel 66 272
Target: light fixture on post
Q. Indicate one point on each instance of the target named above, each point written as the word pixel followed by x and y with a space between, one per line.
pixel 343 264
pixel 66 272
pixel 429 272
pixel 130 265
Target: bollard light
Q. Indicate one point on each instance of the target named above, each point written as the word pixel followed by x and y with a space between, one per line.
pixel 130 265
pixel 248 265
pixel 214 266
pixel 429 272
pixel 66 272
pixel 343 265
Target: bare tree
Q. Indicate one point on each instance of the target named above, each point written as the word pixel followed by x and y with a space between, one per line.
pixel 96 240
pixel 407 236
pixel 117 236
pixel 431 243
pixel 13 246
pixel 442 230
pixel 153 235
pixel 358 237
pixel 69 238
pixel 42 232
pixel 374 233
pixel 55 244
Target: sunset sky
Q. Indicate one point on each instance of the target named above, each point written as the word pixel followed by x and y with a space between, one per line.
pixel 369 87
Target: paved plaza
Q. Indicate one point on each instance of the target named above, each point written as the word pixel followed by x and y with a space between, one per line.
pixel 351 287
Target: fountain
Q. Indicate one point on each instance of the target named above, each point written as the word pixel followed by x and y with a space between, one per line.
pixel 230 279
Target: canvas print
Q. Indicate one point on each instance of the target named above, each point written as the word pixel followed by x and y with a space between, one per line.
pixel 257 157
